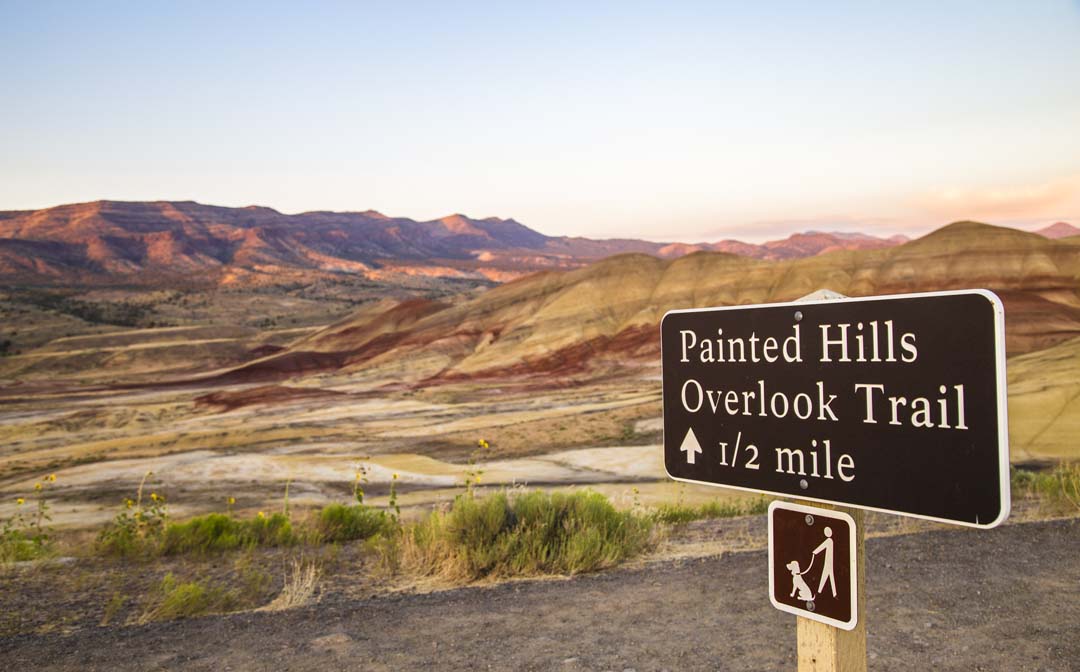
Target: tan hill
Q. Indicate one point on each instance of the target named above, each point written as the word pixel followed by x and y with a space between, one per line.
pixel 129 356
pixel 1059 230
pixel 1044 403
pixel 605 316
pixel 809 244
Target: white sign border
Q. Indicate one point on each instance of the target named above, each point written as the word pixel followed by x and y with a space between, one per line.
pixel 854 577
pixel 1004 489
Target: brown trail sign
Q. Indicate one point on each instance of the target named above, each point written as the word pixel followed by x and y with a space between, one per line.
pixel 890 403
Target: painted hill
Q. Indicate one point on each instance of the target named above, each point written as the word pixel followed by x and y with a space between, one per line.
pixel 171 244
pixel 1059 230
pixel 605 316
pixel 167 243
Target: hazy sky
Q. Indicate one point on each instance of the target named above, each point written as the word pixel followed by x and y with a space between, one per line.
pixel 670 121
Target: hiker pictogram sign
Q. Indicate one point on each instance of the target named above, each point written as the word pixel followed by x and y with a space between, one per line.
pixel 812 564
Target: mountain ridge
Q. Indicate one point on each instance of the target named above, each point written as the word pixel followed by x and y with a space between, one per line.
pixel 164 242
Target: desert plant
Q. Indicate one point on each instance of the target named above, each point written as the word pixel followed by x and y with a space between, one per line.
pixel 680 514
pixel 392 503
pixel 272 530
pixel 359 481
pixel 254 584
pixel 113 607
pixel 298 588
pixel 173 599
pixel 474 473
pixel 138 528
pixel 215 532
pixel 530 533
pixel 25 535
pixel 1058 488
pixel 337 522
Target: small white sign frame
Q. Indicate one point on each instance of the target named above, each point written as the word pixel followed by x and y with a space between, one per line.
pixel 854 580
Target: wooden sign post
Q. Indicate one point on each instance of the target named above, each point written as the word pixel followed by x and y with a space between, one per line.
pixel 825 648
pixel 822 647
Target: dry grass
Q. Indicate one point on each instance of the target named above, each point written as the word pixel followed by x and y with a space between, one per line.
pixel 301 584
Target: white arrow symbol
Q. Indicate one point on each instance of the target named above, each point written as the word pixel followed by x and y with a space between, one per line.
pixel 690 446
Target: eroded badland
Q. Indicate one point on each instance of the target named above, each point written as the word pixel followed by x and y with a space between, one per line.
pixel 556 373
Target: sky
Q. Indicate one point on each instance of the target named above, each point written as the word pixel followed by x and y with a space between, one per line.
pixel 688 121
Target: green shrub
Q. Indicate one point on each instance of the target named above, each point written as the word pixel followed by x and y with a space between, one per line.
pixel 24 534
pixel 680 514
pixel 338 522
pixel 212 532
pixel 532 533
pixel 181 600
pixel 1059 488
pixel 122 541
pixel 273 530
pixel 215 532
pixel 137 530
pixel 15 546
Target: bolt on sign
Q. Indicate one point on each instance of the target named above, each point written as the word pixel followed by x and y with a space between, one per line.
pixel 889 403
pixel 812 564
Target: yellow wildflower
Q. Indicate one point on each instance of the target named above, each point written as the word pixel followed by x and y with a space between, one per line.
pixel 153 496
pixel 231 500
pixel 395 476
pixel 129 503
pixel 20 501
pixel 37 486
pixel 52 478
pixel 262 515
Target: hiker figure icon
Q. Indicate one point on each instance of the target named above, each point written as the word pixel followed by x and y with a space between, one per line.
pixel 798 583
pixel 826 547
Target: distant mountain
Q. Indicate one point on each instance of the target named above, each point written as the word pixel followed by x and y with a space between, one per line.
pixel 605 317
pixel 161 242
pixel 1059 230
pixel 795 246
pixel 166 243
pixel 813 243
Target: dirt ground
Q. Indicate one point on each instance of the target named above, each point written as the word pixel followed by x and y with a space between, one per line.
pixel 946 599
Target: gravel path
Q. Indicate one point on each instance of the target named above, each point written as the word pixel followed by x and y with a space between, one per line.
pixel 957 599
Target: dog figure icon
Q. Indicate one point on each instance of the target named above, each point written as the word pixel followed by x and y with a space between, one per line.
pixel 798 583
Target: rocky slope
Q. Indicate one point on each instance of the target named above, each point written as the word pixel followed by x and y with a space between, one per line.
pixel 605 316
